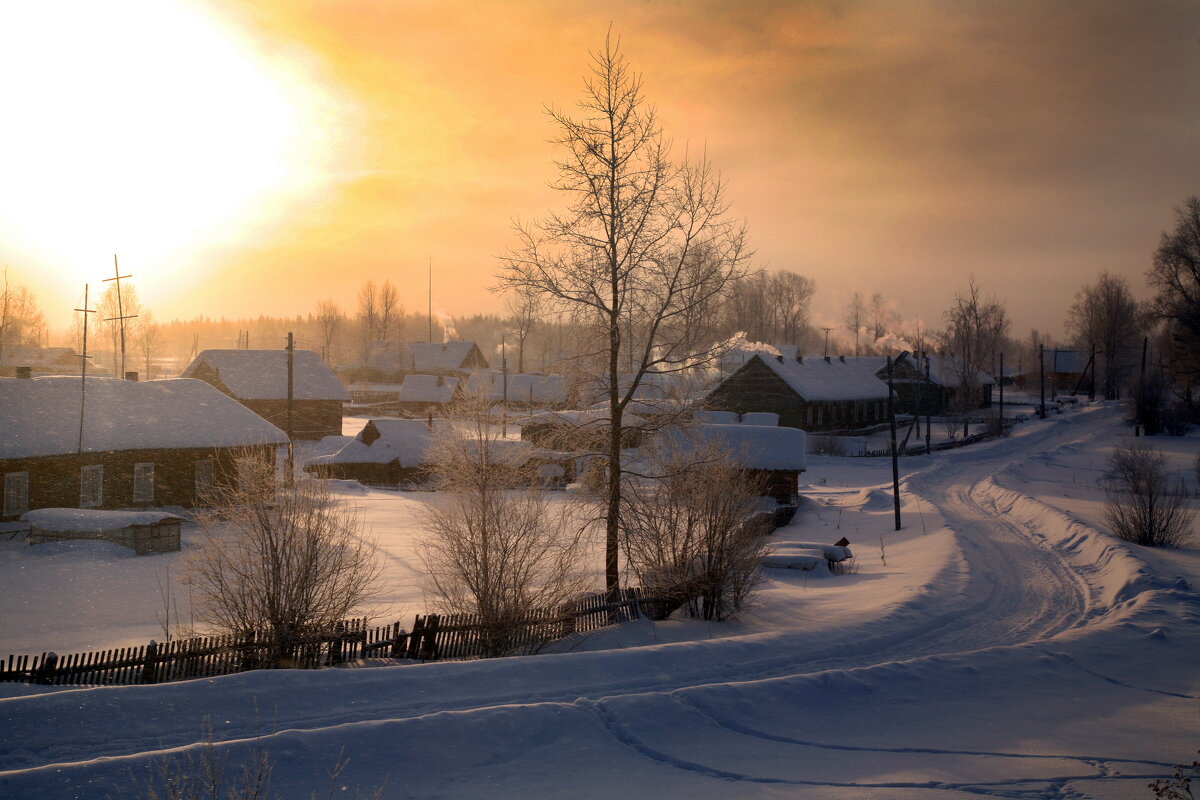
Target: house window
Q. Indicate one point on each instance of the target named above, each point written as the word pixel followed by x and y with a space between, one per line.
pixel 91 486
pixel 143 482
pixel 809 423
pixel 16 493
pixel 205 477
pixel 820 416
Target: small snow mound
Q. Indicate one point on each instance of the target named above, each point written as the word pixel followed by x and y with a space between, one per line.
pixel 1157 633
pixel 878 500
pixel 1183 585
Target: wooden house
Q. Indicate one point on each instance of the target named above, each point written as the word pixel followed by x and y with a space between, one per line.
pixel 121 444
pixel 258 380
pixel 915 392
pixel 421 395
pixel 775 455
pixel 948 373
pixel 433 358
pixel 811 394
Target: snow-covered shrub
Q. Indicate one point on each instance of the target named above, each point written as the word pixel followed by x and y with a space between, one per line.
pixel 689 529
pixel 1142 508
pixel 289 560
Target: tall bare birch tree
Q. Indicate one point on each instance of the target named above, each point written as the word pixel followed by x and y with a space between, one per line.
pixel 645 242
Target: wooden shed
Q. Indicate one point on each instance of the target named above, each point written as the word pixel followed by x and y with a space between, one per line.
pixel 258 380
pixel 121 444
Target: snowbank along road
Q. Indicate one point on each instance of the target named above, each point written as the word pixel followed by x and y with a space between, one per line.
pixel 1039 659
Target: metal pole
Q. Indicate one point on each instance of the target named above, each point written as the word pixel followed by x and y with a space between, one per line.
pixel 291 452
pixel 83 368
pixel 504 389
pixel 895 455
pixel 1140 400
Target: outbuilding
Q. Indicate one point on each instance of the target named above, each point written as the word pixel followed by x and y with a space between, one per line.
pixel 258 380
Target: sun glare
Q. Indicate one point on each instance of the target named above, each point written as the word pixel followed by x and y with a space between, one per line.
pixel 145 128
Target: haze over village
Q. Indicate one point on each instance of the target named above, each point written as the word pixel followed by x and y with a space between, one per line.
pixel 653 399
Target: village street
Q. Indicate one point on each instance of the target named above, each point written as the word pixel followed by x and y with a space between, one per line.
pixel 1016 652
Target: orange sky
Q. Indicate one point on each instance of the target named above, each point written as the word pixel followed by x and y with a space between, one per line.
pixel 258 157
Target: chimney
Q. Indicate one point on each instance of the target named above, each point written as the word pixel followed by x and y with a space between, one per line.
pixel 842 359
pixel 779 358
pixel 131 376
pixel 25 373
pixel 799 359
pixel 827 361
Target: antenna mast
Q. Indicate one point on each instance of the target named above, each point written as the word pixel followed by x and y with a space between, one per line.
pixel 117 276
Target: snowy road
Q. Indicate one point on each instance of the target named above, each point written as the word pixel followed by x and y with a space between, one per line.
pixel 1020 668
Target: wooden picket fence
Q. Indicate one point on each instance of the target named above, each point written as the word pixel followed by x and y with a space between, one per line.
pixel 433 637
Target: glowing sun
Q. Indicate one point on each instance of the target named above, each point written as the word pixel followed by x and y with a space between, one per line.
pixel 145 127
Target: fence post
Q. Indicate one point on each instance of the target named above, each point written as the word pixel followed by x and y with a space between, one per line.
pixel 397 645
pixel 45 670
pixel 428 650
pixel 148 663
pixel 414 638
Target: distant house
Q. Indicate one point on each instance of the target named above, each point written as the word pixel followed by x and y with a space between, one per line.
pixel 435 358
pixel 425 394
pixel 806 393
pixel 397 452
pixel 121 444
pixel 1065 372
pixel 258 380
pixel 43 361
pixel 775 455
pixel 948 373
pixel 916 393
pixel 522 390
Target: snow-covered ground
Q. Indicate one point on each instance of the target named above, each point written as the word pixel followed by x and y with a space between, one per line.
pixel 999 645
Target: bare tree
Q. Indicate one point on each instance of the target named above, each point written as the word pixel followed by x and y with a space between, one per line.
pixel 494 545
pixel 368 316
pixel 975 327
pixel 287 559
pixel 1106 317
pixel 855 316
pixel 390 310
pixel 525 310
pixel 331 318
pixel 882 316
pixel 1141 507
pixel 792 294
pixel 687 525
pixel 21 321
pixel 1175 276
pixel 645 242
pixel 146 338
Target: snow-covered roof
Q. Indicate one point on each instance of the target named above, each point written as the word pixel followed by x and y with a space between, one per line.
pixel 427 389
pixel 743 351
pixel 262 374
pixel 40 417
pixel 77 520
pixel 382 441
pixel 756 446
pixel 522 388
pixel 821 380
pixel 438 355
pixel 945 371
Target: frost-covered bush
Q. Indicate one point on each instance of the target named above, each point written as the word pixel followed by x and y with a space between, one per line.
pixel 1142 508
pixel 689 527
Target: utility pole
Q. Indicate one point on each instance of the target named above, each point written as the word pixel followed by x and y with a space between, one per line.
pixel 826 353
pixel 117 276
pixel 1002 393
pixel 289 467
pixel 1140 400
pixel 83 357
pixel 928 415
pixel 431 299
pixel 895 455
pixel 1042 379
